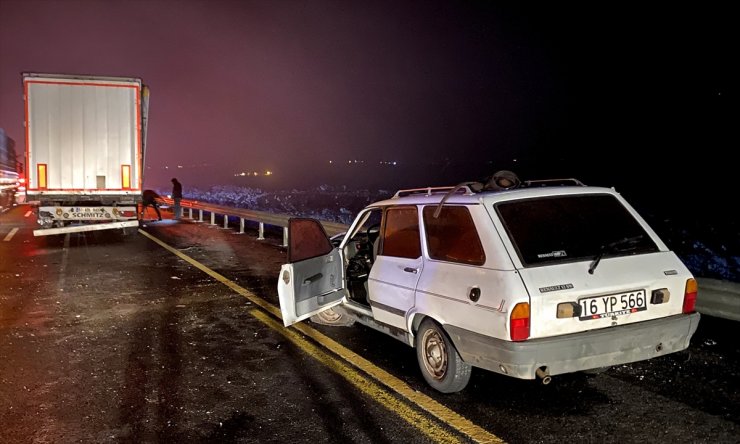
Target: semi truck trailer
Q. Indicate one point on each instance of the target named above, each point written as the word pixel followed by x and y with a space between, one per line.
pixel 85 146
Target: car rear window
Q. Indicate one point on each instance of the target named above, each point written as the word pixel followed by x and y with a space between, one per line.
pixel 572 228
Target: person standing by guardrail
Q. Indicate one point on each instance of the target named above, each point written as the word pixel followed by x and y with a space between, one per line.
pixel 177 196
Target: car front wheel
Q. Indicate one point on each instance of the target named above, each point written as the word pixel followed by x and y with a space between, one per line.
pixel 333 317
pixel 440 363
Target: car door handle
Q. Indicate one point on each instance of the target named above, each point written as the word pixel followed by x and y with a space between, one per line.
pixel 411 270
pixel 313 278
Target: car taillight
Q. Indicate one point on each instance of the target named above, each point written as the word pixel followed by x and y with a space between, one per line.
pixel 689 296
pixel 519 322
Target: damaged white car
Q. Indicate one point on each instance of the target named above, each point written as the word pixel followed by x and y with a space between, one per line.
pixel 528 280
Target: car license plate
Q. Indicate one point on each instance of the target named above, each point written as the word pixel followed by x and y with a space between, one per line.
pixel 599 307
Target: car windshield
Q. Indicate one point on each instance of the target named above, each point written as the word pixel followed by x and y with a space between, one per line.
pixel 572 228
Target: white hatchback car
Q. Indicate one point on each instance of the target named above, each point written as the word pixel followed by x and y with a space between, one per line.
pixel 546 278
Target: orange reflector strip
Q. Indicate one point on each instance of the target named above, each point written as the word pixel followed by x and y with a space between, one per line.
pixel 41 170
pixel 126 177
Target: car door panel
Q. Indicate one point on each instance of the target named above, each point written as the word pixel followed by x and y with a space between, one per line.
pixel 315 282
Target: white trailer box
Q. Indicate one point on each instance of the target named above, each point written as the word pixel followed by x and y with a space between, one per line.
pixel 85 139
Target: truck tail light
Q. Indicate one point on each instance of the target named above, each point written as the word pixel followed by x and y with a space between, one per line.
pixel 689 296
pixel 42 176
pixel 126 177
pixel 519 322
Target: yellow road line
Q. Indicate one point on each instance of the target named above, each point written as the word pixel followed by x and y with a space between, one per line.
pixel 430 428
pixel 11 234
pixel 437 410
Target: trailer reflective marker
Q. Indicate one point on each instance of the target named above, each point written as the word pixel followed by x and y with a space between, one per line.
pixel 126 177
pixel 42 176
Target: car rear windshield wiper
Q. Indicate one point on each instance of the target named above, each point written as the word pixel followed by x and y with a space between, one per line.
pixel 630 242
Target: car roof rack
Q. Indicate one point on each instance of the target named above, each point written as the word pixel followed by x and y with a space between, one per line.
pixel 552 183
pixel 428 191
pixel 465 188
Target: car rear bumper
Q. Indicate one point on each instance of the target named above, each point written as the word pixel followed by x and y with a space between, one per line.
pixel 576 352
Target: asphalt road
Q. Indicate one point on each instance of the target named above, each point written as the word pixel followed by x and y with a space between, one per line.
pixel 106 337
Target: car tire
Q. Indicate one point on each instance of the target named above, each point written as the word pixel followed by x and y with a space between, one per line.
pixel 440 363
pixel 330 316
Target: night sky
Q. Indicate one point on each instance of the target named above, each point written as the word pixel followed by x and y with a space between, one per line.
pixel 621 95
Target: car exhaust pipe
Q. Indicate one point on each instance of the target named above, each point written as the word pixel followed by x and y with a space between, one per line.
pixel 544 375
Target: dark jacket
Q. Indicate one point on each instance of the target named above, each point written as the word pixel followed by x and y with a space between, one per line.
pixel 148 196
pixel 176 189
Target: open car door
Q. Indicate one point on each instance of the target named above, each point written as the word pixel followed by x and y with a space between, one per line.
pixel 313 280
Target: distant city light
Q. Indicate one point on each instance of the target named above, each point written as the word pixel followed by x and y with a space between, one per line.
pixel 254 173
pixel 362 162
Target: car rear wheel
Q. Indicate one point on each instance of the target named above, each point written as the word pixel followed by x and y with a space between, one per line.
pixel 440 363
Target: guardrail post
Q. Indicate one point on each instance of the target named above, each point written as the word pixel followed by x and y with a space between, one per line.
pixel 261 232
pixel 226 221
pixel 200 219
pixel 285 236
pixel 241 225
pixel 213 218
pixel 190 213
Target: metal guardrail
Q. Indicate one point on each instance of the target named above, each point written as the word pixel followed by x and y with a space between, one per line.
pixel 261 217
pixel 718 298
pixel 715 298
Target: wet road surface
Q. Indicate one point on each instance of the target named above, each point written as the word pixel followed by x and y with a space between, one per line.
pixel 106 337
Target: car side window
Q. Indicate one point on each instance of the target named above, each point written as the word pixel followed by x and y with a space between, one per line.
pixel 307 240
pixel 452 237
pixel 401 233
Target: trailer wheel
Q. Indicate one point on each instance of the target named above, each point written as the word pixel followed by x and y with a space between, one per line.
pixel 440 363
